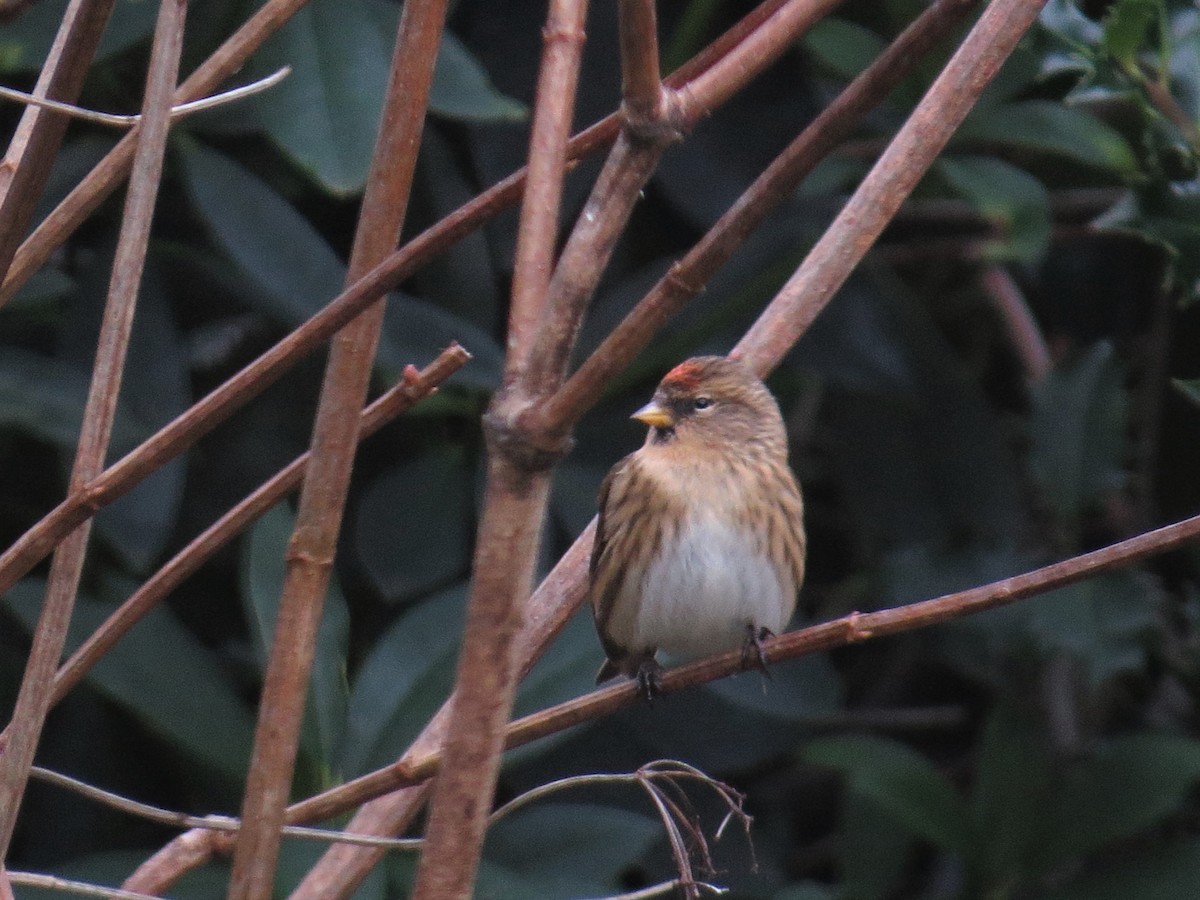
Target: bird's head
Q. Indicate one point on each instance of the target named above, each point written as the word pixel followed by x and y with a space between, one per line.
pixel 717 401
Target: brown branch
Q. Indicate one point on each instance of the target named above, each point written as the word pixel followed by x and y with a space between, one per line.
pixel 112 170
pixel 641 85
pixel 849 629
pixel 687 278
pixel 537 234
pixel 313 545
pixel 413 388
pixel 892 179
pixel 33 700
pixel 179 434
pixel 34 145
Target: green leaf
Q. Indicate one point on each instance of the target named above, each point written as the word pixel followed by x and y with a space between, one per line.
pixel 566 849
pixel 1014 201
pixel 902 783
pixel 263 573
pixel 1009 802
pixel 405 678
pixel 1125 28
pixel 1189 387
pixel 295 272
pixel 874 855
pixel 25 43
pixel 412 530
pixel 461 89
pixel 1167 870
pixel 163 676
pixel 1077 433
pixel 326 113
pixel 843 47
pixel 1042 126
pixel 1128 786
pixel 1105 622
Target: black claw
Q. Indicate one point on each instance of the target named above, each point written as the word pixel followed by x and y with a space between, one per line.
pixel 648 679
pixel 753 653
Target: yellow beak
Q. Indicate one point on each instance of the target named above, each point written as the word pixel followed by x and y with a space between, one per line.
pixel 654 415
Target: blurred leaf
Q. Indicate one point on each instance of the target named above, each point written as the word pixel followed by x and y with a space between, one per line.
pixel 1104 622
pixel 25 43
pixel 1014 202
pixel 806 891
pixel 1077 433
pixel 1190 388
pixel 565 849
pixel 1125 28
pixel 461 89
pixel 1009 801
pixel 163 676
pixel 297 273
pixel 44 398
pixel 263 573
pixel 843 47
pixel 1126 787
pixel 874 855
pixel 207 882
pixel 1168 216
pixel 795 691
pixel 1042 126
pixel 155 390
pixel 326 113
pixel 1169 870
pixel 407 675
pixel 902 783
pixel 412 528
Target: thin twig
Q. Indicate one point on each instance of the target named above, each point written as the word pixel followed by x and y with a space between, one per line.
pixel 68 886
pixel 687 278
pixel 210 822
pixel 36 140
pixel 413 387
pixel 33 700
pixel 890 181
pixel 177 112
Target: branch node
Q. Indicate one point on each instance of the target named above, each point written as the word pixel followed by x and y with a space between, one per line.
pixel 666 124
pixel 854 631
pixel 510 431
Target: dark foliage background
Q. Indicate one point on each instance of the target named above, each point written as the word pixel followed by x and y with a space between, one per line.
pixel 1046 750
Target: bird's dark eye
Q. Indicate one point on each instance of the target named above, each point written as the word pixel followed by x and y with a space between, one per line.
pixel 702 403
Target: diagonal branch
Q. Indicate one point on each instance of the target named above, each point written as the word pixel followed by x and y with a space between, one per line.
pixel 34 145
pixel 33 700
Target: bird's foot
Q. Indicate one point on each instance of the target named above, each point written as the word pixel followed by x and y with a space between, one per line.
pixel 649 677
pixel 754 655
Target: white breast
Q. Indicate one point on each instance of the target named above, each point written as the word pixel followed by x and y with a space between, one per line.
pixel 706 591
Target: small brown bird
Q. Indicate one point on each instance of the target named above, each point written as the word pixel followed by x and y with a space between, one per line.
pixel 700 543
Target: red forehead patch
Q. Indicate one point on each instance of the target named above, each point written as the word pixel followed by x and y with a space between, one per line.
pixel 685 376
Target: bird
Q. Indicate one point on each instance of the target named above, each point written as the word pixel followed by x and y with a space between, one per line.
pixel 700 544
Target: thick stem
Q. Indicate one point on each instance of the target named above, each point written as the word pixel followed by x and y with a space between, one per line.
pixel 313 544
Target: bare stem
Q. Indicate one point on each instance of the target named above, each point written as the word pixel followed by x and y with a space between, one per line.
pixel 902 165
pixel 687 278
pixel 313 545
pixel 34 145
pixel 33 700
pixel 538 232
